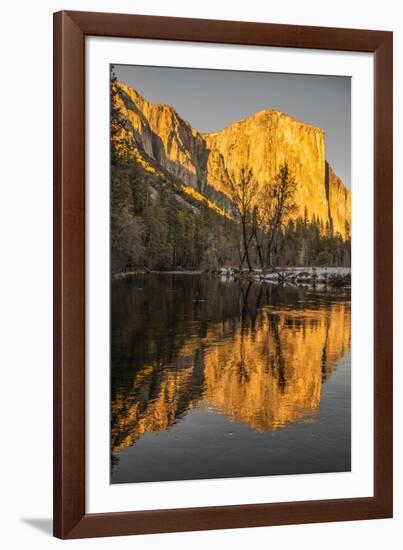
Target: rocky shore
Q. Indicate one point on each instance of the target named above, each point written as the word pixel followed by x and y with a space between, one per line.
pixel 308 277
pixel 304 277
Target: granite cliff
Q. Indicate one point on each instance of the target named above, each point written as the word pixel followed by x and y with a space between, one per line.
pixel 160 138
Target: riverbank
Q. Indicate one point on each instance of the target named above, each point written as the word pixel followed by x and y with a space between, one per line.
pixel 305 277
pixel 309 277
pixel 124 274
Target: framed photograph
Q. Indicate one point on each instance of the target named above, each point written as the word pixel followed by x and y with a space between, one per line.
pixel 223 274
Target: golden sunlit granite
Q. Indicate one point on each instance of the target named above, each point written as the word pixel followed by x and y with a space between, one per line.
pixel 339 204
pixel 268 139
pixel 262 142
pixel 165 137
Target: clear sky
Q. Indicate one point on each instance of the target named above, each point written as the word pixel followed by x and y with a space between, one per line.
pixel 212 99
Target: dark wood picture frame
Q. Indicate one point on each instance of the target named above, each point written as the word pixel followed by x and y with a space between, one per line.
pixel 70 517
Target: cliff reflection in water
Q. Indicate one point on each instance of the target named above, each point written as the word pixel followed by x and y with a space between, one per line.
pixel 256 353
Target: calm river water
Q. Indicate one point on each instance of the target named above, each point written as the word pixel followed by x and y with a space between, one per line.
pixel 213 379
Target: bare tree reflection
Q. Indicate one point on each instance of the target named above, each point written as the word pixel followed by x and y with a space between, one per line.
pixel 257 353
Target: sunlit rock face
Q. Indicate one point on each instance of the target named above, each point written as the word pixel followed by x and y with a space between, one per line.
pixel 163 136
pixel 339 204
pixel 263 142
pixel 266 374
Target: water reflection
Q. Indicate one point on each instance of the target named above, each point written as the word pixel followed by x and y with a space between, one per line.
pixel 256 353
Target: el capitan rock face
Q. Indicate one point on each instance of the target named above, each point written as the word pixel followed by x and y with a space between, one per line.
pixel 339 203
pixel 162 135
pixel 262 142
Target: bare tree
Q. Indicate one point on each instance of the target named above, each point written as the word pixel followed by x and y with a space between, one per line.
pixel 276 202
pixel 243 189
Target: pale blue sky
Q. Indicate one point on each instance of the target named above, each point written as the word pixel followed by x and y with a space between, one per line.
pixel 212 99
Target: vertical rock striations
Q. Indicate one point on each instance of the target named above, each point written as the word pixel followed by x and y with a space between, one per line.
pixel 262 142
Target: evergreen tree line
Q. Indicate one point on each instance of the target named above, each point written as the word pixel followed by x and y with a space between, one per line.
pixel 152 229
pixel 309 244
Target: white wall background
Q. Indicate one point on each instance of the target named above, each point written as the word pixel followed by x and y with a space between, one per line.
pixel 26 272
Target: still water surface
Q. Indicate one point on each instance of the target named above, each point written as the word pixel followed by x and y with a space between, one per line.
pixel 213 379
